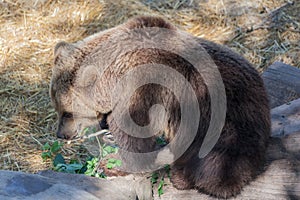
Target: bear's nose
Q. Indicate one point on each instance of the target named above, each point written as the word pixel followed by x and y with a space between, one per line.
pixel 60 135
pixel 64 136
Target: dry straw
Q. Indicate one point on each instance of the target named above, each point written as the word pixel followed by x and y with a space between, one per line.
pixel 261 30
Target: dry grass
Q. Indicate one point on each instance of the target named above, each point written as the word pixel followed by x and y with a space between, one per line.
pixel 30 29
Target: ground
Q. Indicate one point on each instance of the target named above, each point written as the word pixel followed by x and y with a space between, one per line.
pixel 263 31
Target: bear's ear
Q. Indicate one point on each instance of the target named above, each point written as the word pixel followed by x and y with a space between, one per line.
pixel 63 48
pixel 88 77
pixel 65 55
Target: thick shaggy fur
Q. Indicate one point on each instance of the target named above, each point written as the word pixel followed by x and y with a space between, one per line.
pixel 239 152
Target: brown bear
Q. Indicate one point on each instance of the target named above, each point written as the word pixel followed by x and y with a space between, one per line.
pixel 86 73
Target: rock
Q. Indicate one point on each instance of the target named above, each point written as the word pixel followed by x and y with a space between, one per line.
pixel 54 185
pixel 286 118
pixel 282 82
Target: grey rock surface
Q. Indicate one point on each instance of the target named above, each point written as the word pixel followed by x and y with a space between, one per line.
pixel 282 82
pixel 286 118
pixel 53 185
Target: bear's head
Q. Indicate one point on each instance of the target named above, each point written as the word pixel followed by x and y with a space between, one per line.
pixel 71 91
pixel 79 92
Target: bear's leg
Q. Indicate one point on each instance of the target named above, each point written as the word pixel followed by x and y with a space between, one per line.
pixel 180 179
pixel 224 175
pixel 135 153
pixel 233 162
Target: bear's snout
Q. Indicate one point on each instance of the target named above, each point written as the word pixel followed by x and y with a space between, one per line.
pixel 65 136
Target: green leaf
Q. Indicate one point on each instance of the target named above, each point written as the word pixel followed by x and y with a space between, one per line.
pixel 68 168
pixel 82 170
pixel 95 161
pixel 160 187
pixel 167 168
pixel 102 175
pixel 89 163
pixel 108 150
pixel 154 178
pixel 55 147
pixel 74 167
pixel 72 161
pixel 46 155
pixel 90 166
pixel 89 172
pixel 85 130
pixel 104 154
pixel 60 167
pixel 161 140
pixel 59 159
pixel 46 146
pixel 109 165
pixel 112 160
pixel 118 163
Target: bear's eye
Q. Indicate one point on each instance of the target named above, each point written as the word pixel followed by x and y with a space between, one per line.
pixel 67 115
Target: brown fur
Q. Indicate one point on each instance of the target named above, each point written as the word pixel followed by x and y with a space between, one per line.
pixel 239 152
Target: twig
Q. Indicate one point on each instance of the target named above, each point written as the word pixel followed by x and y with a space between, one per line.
pixel 102 132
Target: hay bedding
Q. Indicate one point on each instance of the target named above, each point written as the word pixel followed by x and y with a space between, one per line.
pixel 30 29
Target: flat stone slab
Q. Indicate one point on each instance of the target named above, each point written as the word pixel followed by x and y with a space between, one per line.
pixel 286 118
pixel 282 82
pixel 54 185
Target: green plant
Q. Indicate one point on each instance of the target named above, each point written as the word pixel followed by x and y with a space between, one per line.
pixel 106 149
pixel 112 162
pixel 160 187
pixel 92 168
pixel 49 151
pixel 160 179
pixel 154 177
pixel 89 168
pixel 58 161
pixel 161 140
pixel 73 168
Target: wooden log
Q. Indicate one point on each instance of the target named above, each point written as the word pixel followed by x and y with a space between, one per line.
pixel 282 82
